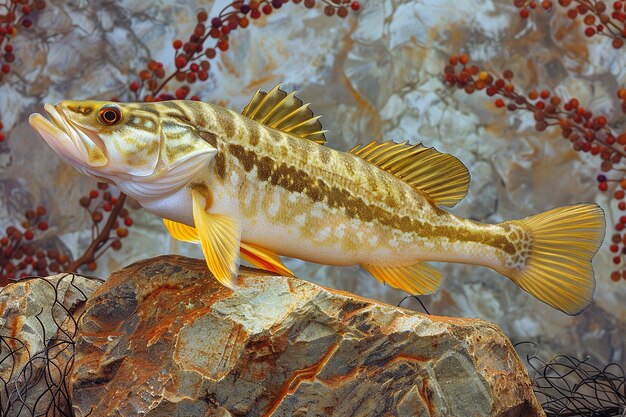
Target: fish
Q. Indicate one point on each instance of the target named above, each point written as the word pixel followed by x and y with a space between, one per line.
pixel 261 184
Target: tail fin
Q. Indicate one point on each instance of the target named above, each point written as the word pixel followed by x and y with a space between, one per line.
pixel 558 268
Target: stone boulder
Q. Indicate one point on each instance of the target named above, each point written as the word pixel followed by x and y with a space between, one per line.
pixel 37 324
pixel 163 338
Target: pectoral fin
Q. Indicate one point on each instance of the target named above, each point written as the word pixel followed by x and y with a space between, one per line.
pixel 219 236
pixel 264 259
pixel 417 279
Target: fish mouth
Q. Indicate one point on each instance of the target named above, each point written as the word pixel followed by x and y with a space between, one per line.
pixel 68 140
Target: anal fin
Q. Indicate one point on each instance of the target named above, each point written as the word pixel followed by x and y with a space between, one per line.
pixel 416 279
pixel 219 236
pixel 264 259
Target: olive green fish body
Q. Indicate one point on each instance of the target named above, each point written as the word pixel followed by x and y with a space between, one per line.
pixel 261 184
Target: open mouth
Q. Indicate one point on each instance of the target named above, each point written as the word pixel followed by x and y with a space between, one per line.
pixel 67 140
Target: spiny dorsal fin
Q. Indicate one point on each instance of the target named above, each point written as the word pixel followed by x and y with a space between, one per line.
pixel 443 177
pixel 285 112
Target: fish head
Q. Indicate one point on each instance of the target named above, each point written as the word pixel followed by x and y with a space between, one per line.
pixel 121 142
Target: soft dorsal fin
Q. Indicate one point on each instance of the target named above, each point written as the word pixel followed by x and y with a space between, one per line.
pixel 285 112
pixel 443 177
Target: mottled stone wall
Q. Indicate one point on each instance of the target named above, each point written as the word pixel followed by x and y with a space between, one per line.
pixel 377 74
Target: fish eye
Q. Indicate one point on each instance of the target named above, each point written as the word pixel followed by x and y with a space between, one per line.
pixel 109 115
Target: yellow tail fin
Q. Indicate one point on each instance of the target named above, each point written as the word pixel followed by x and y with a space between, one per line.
pixel 558 269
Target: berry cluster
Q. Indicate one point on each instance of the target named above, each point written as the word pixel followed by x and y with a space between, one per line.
pixel 21 257
pixel 586 132
pixel 192 61
pixel 14 14
pixel 598 18
pixel 106 212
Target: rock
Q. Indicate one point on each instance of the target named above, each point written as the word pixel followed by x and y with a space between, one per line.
pixel 38 321
pixel 163 338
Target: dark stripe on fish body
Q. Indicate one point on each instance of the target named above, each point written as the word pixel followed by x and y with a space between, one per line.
pixel 296 180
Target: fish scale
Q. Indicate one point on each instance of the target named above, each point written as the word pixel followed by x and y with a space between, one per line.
pixel 261 184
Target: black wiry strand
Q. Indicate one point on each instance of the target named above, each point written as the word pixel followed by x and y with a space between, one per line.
pixel 568 387
pixel 39 387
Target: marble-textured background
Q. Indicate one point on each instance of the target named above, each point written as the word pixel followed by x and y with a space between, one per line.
pixel 376 74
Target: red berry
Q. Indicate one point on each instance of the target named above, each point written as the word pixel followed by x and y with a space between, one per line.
pixel 6 69
pixel 43 226
pixel 25 9
pixel 134 86
pixel 29 235
pixel 589 32
pixel 222 45
pixel 181 93
pixel 2 137
pixel 267 9
pixel 107 207
pixel 8 48
pixel 603 186
pixel 194 67
pixel 255 14
pixel 177 44
pixel 499 102
pixel 181 61
pixel 524 13
pixel 93 194
pixel 355 5
pixel 92 266
pixel 128 221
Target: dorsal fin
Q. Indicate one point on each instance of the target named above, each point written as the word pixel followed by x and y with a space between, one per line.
pixel 443 177
pixel 285 112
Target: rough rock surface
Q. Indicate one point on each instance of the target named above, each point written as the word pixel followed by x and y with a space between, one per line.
pixel 163 338
pixel 37 322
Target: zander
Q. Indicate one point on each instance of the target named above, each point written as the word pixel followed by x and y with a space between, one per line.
pixel 261 184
